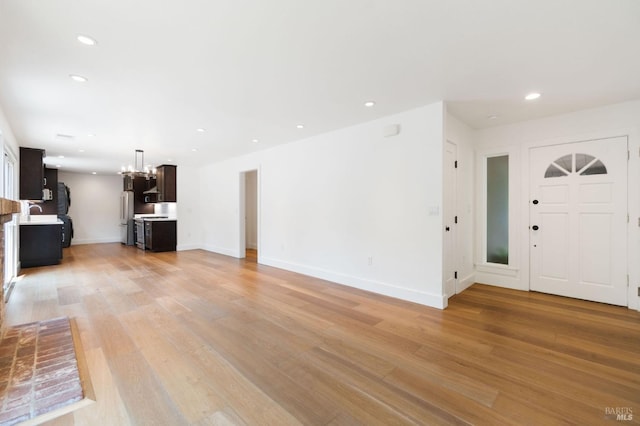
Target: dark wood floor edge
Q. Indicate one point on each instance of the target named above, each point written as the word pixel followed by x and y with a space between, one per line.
pixel 83 368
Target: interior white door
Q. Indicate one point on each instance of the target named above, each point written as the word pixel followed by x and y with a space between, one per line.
pixel 449 219
pixel 578 220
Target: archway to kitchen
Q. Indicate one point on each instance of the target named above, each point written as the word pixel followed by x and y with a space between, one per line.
pixel 249 215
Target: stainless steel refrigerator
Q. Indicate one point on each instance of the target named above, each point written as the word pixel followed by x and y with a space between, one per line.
pixel 126 218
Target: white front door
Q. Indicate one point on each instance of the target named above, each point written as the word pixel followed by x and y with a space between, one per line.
pixel 578 220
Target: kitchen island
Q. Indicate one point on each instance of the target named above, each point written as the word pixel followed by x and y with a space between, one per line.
pixel 160 234
pixel 40 240
pixel 156 233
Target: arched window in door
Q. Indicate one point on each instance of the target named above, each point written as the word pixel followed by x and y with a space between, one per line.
pixel 581 164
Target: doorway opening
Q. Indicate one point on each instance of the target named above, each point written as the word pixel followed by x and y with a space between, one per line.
pixel 249 215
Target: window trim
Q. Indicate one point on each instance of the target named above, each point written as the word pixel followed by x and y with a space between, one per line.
pixel 490 220
pixel 481 263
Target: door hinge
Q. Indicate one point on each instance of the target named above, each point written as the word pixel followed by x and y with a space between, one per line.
pixel 455 164
pixel 628 155
pixel 455 219
pixel 455 275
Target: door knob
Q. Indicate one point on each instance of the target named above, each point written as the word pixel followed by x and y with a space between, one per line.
pixel 446 229
pixel 535 227
pixel 535 201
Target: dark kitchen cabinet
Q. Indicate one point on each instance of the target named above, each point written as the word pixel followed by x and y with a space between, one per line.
pixel 166 182
pixel 51 184
pixel 160 235
pixel 31 173
pixel 140 199
pixel 40 245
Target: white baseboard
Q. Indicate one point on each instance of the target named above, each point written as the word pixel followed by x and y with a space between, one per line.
pixel 76 241
pixel 465 283
pixel 386 289
pixel 498 280
pixel 220 250
pixel 423 298
pixel 185 247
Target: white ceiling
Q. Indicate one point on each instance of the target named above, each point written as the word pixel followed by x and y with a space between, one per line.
pixel 245 69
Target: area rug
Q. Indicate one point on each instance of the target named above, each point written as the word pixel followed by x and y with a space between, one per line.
pixel 39 372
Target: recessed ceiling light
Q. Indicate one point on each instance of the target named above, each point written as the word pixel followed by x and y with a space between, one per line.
pixel 86 40
pixel 491 117
pixel 532 96
pixel 78 78
pixel 255 140
pixel 58 165
pixel 94 173
pixel 194 149
pixel 300 126
pixel 170 159
pixel 92 135
pixel 81 150
pixel 369 104
pixel 60 156
pixel 201 130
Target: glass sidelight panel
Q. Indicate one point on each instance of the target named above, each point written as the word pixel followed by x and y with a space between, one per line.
pixel 498 209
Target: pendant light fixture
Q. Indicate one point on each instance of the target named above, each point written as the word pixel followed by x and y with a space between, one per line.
pixel 138 169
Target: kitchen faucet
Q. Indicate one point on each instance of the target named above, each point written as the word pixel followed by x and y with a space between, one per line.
pixel 27 210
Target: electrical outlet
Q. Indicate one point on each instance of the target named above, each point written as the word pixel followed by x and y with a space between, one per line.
pixel 638 291
pixel 370 260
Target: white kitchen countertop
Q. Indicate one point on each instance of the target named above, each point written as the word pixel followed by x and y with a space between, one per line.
pixel 41 219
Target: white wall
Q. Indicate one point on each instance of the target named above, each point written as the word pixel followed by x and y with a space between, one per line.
pixel 192 191
pixel 95 204
pixel 598 123
pixel 331 202
pixel 463 137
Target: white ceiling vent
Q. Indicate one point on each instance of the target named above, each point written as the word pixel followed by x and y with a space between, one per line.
pixel 61 137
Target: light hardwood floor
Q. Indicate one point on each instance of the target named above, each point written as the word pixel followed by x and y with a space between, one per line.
pixel 198 338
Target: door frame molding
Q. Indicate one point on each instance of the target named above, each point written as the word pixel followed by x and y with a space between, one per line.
pixel 453 187
pixel 529 196
pixel 491 273
pixel 633 201
pixel 242 242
